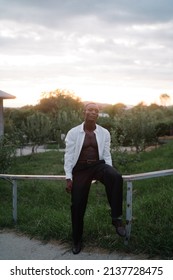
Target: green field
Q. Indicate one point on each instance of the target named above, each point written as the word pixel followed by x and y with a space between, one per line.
pixel 44 206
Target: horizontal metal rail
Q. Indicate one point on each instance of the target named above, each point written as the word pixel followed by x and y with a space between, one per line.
pixel 133 177
pixel 127 178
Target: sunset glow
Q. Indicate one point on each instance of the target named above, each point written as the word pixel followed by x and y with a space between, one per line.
pixel 106 95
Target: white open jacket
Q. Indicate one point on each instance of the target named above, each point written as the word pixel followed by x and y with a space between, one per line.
pixel 74 141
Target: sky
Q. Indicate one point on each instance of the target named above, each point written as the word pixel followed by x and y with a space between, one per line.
pixel 111 51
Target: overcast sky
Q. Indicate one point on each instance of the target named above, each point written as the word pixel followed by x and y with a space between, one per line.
pixel 103 50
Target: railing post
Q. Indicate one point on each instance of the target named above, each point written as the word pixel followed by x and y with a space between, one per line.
pixel 128 211
pixel 14 200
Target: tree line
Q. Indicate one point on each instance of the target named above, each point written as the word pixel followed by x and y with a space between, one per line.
pixel 59 110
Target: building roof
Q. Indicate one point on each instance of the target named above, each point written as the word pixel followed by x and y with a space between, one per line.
pixel 4 95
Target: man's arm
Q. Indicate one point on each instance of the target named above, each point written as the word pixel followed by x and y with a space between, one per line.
pixel 69 154
pixel 107 153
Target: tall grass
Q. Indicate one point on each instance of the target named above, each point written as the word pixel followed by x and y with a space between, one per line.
pixel 44 206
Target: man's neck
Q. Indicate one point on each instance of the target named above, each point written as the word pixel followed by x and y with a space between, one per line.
pixel 89 126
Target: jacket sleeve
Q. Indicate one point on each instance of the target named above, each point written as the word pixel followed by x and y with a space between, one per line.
pixel 69 154
pixel 106 151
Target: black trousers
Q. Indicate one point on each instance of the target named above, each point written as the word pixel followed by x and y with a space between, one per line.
pixel 83 174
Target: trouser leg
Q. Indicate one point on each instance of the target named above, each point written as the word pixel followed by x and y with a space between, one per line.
pixel 114 188
pixel 113 182
pixel 79 198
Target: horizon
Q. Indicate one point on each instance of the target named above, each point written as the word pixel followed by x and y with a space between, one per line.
pixel 148 98
pixel 86 101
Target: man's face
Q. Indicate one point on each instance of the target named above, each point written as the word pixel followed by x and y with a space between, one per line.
pixel 91 112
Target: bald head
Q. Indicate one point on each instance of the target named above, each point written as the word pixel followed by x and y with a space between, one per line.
pixel 91 104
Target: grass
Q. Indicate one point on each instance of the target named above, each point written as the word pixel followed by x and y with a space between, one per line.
pixel 44 206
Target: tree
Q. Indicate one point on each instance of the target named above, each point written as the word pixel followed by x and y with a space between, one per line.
pixel 37 129
pixel 64 111
pixel 58 100
pixel 7 153
pixel 135 128
pixel 61 122
pixel 17 115
pixel 115 109
pixel 164 99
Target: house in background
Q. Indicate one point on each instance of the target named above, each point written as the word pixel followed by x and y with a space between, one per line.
pixel 3 95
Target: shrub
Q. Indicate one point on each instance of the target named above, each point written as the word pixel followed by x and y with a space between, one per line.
pixel 7 153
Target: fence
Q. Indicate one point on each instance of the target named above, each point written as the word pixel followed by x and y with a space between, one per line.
pixel 127 178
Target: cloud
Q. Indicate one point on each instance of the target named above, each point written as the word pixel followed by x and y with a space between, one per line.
pixel 58 12
pixel 114 42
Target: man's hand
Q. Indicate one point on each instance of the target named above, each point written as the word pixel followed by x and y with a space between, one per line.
pixel 69 185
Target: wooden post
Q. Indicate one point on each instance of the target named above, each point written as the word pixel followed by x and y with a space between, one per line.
pixel 128 211
pixel 14 201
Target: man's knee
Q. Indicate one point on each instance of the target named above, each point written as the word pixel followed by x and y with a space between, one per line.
pixel 112 173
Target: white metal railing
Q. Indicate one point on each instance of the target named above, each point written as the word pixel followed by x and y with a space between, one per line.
pixel 127 178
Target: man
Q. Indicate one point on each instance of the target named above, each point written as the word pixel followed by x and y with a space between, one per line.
pixel 87 158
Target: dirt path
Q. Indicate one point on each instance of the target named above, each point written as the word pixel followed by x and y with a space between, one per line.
pixel 15 246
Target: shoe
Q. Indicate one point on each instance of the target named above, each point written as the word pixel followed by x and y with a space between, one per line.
pixel 77 248
pixel 119 227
